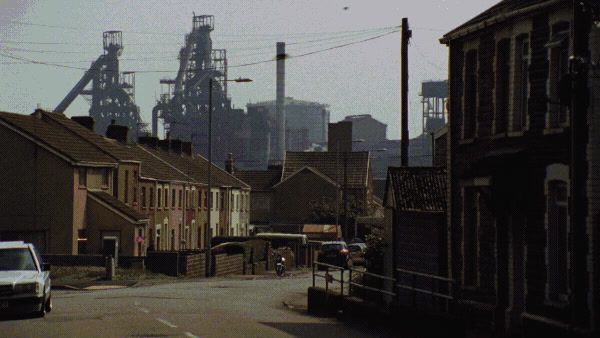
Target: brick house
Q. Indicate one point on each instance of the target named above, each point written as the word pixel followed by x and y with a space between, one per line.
pixel 58 189
pixel 261 182
pixel 524 208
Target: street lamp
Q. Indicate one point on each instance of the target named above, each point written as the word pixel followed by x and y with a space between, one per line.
pixel 209 227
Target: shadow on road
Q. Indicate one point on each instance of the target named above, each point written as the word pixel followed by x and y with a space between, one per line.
pixel 327 330
pixel 9 317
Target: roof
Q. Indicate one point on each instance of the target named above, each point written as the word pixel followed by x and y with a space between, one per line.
pixel 320 228
pixel 420 189
pixel 113 203
pixel 356 118
pixel 13 245
pixel 326 162
pixel 288 101
pixel 56 138
pixel 312 170
pixel 196 167
pixel 497 13
pixel 259 180
pixel 150 167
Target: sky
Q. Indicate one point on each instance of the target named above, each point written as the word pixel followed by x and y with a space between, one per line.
pixel 362 78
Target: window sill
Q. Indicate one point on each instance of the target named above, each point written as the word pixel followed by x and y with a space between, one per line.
pixel 554 131
pixel 556 304
pixel 466 141
pixel 516 133
pixel 81 187
pixel 499 136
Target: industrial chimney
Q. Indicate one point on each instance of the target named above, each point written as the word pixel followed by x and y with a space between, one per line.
pixel 280 103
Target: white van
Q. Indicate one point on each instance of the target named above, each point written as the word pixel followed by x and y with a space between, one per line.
pixel 24 280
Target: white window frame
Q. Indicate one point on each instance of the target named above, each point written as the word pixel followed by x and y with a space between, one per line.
pixel 557 172
pixel 469 47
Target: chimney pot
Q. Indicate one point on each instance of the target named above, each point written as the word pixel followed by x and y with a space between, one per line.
pixel 86 121
pixel 117 132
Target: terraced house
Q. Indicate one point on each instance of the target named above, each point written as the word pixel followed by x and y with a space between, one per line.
pixel 523 166
pixel 162 193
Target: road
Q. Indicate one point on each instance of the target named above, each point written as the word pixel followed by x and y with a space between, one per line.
pixel 220 307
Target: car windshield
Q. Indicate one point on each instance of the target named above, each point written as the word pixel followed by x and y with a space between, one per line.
pixel 354 248
pixel 16 259
pixel 332 247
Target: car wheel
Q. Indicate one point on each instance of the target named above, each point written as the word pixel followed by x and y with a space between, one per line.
pixel 48 305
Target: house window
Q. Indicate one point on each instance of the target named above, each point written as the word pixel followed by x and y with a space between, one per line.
pixel 143 197
pixel 173 198
pixel 215 202
pixel 221 201
pixel 151 197
pixel 180 198
pixel 521 83
pixel 205 199
pixel 557 233
pixel 166 198
pixel 82 177
pixel 231 203
pixel 558 48
pixel 187 199
pixel 159 199
pixel 126 195
pixel 470 237
pixel 470 95
pixel 105 177
pixel 135 197
pixel 502 85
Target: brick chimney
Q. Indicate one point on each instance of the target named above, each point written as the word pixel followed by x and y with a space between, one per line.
pixel 117 132
pixel 149 141
pixel 187 148
pixel 176 146
pixel 229 163
pixel 86 121
pixel 164 145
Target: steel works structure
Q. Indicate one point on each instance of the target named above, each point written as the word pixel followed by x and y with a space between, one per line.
pixel 183 104
pixel 112 94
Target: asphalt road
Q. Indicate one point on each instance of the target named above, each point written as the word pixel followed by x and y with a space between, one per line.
pixel 225 307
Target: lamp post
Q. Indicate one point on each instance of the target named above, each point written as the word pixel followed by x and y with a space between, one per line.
pixel 208 218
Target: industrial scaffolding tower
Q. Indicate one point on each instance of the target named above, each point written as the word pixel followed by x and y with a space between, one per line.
pixel 183 103
pixel 112 94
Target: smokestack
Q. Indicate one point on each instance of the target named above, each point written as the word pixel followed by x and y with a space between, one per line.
pixel 155 122
pixel 280 103
pixel 187 148
pixel 86 121
pixel 152 142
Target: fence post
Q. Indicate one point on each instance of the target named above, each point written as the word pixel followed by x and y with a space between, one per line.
pixel 313 268
pixel 342 283
pixel 414 294
pixel 349 282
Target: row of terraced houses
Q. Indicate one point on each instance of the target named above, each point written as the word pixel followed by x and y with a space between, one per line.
pixel 66 189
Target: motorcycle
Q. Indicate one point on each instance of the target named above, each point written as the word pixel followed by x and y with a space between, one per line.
pixel 280 266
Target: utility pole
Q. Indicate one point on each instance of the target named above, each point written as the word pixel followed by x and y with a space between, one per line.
pixel 405 37
pixel 345 199
pixel 579 105
pixel 209 228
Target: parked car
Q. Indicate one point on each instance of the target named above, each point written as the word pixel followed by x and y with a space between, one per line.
pixel 335 253
pixel 357 251
pixel 24 280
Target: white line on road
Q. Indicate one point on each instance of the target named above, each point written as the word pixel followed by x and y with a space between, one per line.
pixel 191 335
pixel 144 310
pixel 166 323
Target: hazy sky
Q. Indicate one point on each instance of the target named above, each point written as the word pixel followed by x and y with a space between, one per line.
pixel 359 79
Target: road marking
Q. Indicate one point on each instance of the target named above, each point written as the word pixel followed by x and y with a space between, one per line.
pixel 144 310
pixel 166 323
pixel 190 335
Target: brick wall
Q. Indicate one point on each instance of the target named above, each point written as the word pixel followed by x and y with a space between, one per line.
pixel 228 265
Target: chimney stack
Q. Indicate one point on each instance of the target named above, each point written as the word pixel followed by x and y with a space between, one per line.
pixel 151 142
pixel 229 163
pixel 187 148
pixel 117 132
pixel 280 103
pixel 164 145
pixel 176 146
pixel 86 121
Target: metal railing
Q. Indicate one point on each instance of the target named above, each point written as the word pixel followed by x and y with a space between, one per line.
pixel 434 290
pixel 438 291
pixel 329 278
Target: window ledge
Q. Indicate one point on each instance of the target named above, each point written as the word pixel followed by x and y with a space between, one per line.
pixel 516 133
pixel 556 304
pixel 499 136
pixel 467 141
pixel 554 130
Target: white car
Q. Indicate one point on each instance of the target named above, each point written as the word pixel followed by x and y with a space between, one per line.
pixel 24 280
